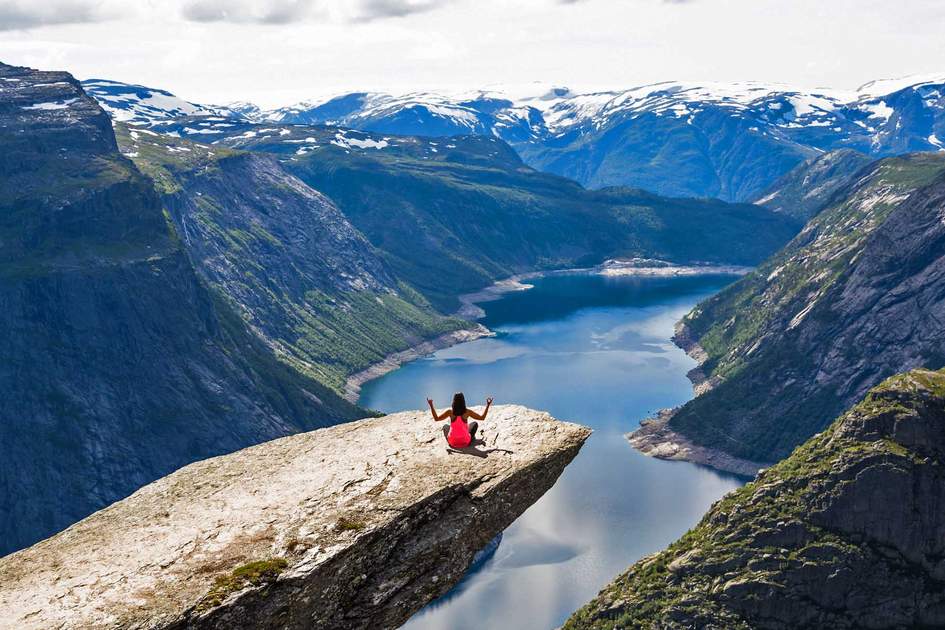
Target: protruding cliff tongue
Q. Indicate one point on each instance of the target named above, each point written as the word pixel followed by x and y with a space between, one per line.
pixel 847 532
pixel 355 526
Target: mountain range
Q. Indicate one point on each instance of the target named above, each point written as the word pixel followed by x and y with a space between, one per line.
pixel 729 141
pixel 453 215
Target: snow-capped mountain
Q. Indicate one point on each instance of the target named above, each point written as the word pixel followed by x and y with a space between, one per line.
pixel 137 103
pixel 726 140
pixel 245 109
pixel 556 110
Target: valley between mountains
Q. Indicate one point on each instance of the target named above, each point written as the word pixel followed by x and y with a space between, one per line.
pixel 294 269
pixel 183 282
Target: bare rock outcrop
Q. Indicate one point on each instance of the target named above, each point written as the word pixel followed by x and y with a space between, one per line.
pixel 353 526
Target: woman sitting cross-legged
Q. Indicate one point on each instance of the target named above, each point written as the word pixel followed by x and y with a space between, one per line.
pixel 460 432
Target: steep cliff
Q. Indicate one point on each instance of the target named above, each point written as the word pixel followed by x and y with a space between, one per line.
pixel 857 296
pixel 354 526
pixel 807 188
pixel 118 365
pixel 845 533
pixel 284 257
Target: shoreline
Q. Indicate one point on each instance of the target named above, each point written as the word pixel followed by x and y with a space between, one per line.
pixel 393 361
pixel 654 438
pixel 684 340
pixel 471 311
pixel 615 267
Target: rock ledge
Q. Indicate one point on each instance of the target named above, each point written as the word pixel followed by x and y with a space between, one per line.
pixel 354 526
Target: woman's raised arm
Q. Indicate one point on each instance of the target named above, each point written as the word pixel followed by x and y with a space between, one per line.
pixel 437 417
pixel 485 412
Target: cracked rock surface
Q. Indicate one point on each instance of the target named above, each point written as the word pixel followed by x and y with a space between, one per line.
pixel 353 526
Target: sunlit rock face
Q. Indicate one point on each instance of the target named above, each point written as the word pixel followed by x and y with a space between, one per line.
pixel 354 526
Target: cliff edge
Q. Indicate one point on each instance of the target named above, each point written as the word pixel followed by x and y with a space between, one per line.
pixel 353 526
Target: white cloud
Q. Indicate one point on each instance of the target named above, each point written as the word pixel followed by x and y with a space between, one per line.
pixel 378 9
pixel 247 11
pixel 290 11
pixel 282 51
pixel 27 14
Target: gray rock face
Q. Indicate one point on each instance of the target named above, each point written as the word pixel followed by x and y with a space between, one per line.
pixel 354 526
pixel 119 366
pixel 848 532
pixel 44 112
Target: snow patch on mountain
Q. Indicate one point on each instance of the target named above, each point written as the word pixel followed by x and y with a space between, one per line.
pixel 137 103
pixel 884 87
pixel 342 140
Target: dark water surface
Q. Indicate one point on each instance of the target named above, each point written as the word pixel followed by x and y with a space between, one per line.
pixel 594 350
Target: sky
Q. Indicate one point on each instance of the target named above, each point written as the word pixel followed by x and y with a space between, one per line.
pixel 277 52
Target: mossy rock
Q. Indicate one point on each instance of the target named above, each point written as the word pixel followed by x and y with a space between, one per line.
pixel 256 573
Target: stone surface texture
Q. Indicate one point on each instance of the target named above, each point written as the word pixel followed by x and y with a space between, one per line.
pixel 356 526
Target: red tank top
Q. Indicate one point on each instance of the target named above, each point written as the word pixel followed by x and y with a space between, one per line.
pixel 459 433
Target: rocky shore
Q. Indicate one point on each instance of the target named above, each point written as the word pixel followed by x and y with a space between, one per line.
pixel 655 438
pixel 354 526
pixel 685 340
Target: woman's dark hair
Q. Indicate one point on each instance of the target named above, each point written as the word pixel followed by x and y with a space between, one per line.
pixel 459 404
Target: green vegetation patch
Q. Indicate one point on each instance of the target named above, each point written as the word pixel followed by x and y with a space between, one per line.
pixel 256 573
pixel 164 158
pixel 349 523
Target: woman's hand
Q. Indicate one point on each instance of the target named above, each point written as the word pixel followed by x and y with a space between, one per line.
pixel 489 401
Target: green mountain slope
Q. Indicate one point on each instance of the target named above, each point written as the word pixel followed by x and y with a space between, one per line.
pixel 118 365
pixel 453 215
pixel 857 296
pixel 845 533
pixel 284 257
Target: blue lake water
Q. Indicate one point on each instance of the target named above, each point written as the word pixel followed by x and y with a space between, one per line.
pixel 597 351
